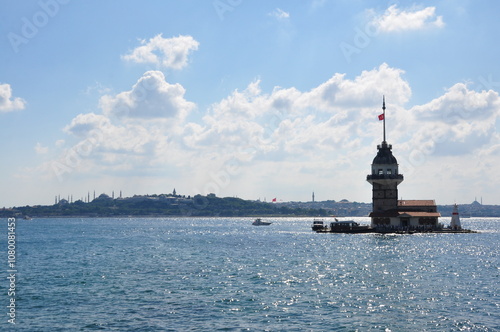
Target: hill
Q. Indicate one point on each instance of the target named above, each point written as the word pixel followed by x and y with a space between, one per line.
pixel 165 205
pixel 162 205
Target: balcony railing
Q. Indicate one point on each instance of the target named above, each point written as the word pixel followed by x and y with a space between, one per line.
pixel 385 177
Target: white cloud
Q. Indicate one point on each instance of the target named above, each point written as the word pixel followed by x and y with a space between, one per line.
pixel 261 140
pixel 459 122
pixel 332 131
pixel 364 90
pixel 292 123
pixel 279 14
pixel 395 19
pixel 83 124
pixel 458 104
pixel 164 52
pixel 107 138
pixel 152 97
pixel 8 102
pixel 40 149
pixel 138 132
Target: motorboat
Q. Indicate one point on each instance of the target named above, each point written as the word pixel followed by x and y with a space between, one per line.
pixel 259 222
pixel 341 226
pixel 318 225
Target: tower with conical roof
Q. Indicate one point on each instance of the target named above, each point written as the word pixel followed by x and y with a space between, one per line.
pixel 384 179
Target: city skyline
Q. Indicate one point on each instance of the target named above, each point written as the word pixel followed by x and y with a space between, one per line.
pixel 237 98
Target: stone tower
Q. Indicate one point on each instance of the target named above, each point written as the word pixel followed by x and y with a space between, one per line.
pixel 384 176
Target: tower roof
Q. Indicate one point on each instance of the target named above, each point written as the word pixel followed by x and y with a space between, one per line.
pixel 384 155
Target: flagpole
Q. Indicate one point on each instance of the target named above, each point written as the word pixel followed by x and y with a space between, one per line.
pixel 383 108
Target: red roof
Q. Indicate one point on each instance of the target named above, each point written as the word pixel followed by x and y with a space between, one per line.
pixel 393 214
pixel 421 214
pixel 417 202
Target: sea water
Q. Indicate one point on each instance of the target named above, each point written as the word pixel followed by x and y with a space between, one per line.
pixel 223 274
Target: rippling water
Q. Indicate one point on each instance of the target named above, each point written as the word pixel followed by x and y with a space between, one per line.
pixel 210 274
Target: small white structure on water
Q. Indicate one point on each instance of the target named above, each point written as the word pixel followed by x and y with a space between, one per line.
pixel 455 219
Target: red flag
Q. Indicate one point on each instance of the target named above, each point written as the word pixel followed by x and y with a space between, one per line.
pixel 274 199
pixel 381 117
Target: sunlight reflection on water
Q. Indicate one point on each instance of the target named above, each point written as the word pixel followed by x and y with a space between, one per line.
pixel 220 273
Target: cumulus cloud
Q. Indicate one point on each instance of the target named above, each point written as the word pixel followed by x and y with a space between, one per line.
pixel 139 130
pixel 459 103
pixel 164 52
pixel 332 129
pixel 40 149
pixel 325 118
pixel 280 14
pixel 8 102
pixel 395 19
pixel 362 91
pixel 254 138
pixel 84 124
pixel 458 122
pixel 152 97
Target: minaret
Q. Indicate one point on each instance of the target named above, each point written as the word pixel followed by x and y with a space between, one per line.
pixel 313 196
pixel 384 179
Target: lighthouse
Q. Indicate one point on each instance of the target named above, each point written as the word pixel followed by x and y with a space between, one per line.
pixel 388 211
pixel 455 219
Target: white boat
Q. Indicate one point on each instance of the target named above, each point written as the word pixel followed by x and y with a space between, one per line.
pixel 318 225
pixel 259 222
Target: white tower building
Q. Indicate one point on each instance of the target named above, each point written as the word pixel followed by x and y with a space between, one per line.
pixel 455 219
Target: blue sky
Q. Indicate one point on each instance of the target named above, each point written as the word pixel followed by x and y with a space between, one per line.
pixel 255 99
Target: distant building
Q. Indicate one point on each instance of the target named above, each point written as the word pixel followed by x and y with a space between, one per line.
pixel 387 210
pixel 63 202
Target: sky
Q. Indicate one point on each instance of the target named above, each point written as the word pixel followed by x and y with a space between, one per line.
pixel 249 99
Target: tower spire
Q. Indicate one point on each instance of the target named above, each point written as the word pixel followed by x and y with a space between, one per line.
pixel 383 109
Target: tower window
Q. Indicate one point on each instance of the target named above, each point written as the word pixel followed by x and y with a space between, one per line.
pixel 380 171
pixel 389 171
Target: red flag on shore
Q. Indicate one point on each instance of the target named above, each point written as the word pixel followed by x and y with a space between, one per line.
pixel 274 199
pixel 381 117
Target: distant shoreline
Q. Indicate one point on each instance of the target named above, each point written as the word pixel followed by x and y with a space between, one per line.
pixel 163 206
pixel 205 217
